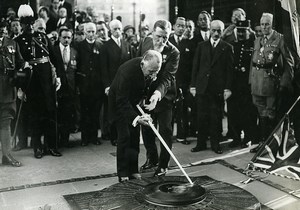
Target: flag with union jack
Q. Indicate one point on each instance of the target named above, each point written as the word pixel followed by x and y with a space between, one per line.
pixel 280 154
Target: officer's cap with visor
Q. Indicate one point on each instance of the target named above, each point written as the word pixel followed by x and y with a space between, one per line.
pixel 26 15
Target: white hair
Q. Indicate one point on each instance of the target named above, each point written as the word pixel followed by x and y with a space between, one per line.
pixel 115 22
pixel 89 24
pixel 268 16
pixel 218 22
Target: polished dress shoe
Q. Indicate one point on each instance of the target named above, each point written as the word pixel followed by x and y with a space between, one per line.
pixel 113 142
pixel 38 153
pixel 97 142
pixel 183 141
pixel 198 149
pixel 148 165
pixel 217 150
pixel 135 176
pixel 123 179
pixel 9 160
pixel 54 153
pixel 83 143
pixel 160 172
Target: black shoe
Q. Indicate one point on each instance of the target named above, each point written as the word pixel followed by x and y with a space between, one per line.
pixel 160 172
pixel 113 142
pixel 97 142
pixel 54 152
pixel 38 153
pixel 123 179
pixel 198 149
pixel 148 165
pixel 9 160
pixel 218 151
pixel 135 176
pixel 255 149
pixel 183 141
pixel 83 143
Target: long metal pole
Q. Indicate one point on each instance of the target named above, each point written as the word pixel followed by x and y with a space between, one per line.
pixel 166 146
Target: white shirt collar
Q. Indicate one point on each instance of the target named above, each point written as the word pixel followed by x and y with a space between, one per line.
pixel 62 47
pixel 212 41
pixel 62 20
pixel 117 40
pixel 90 42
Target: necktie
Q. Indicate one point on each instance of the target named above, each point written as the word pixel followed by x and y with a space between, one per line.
pixel 119 42
pixel 65 57
pixel 214 44
pixel 205 36
pixel 178 40
pixel 265 39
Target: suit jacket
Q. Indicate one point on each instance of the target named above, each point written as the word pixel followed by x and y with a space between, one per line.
pixel 212 73
pixel 68 6
pixel 187 49
pixel 112 56
pixel 67 23
pixel 165 82
pixel 126 90
pixel 89 77
pixel 198 36
pixel 67 76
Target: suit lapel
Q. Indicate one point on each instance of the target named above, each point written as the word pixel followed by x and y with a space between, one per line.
pixel 218 51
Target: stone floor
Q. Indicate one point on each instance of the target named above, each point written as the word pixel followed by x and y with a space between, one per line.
pixel 41 184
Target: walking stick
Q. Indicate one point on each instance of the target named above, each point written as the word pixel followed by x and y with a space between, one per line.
pixel 166 146
pixel 14 142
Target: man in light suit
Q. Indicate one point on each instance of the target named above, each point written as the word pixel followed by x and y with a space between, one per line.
pixel 211 81
pixel 115 52
pixel 90 85
pixel 66 65
pixel 126 90
pixel 161 95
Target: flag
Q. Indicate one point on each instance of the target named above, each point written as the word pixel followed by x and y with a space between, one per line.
pixel 281 154
pixel 292 7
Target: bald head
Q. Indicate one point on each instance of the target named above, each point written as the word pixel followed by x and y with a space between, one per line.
pixel 151 63
pixel 39 25
pixel 216 29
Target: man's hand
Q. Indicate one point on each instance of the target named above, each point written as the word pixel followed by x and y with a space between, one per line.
pixel 193 91
pixel 153 101
pixel 227 94
pixel 145 119
pixel 57 83
pixel 21 95
pixel 106 91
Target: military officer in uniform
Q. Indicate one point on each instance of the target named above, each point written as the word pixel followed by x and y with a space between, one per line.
pixel 35 48
pixel 242 112
pixel 10 61
pixel 271 73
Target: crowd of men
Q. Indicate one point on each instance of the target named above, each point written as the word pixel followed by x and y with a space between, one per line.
pixel 63 72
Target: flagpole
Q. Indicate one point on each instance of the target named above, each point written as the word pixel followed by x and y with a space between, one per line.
pixel 277 126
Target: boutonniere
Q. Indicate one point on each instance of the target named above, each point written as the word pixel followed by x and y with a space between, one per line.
pixel 187 50
pixel 11 49
pixel 164 58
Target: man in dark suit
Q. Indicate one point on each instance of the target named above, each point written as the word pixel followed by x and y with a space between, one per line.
pixel 203 23
pixel 63 19
pixel 162 94
pixel 186 48
pixel 90 85
pixel 127 90
pixel 114 53
pixel 68 6
pixel 211 81
pixel 66 65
